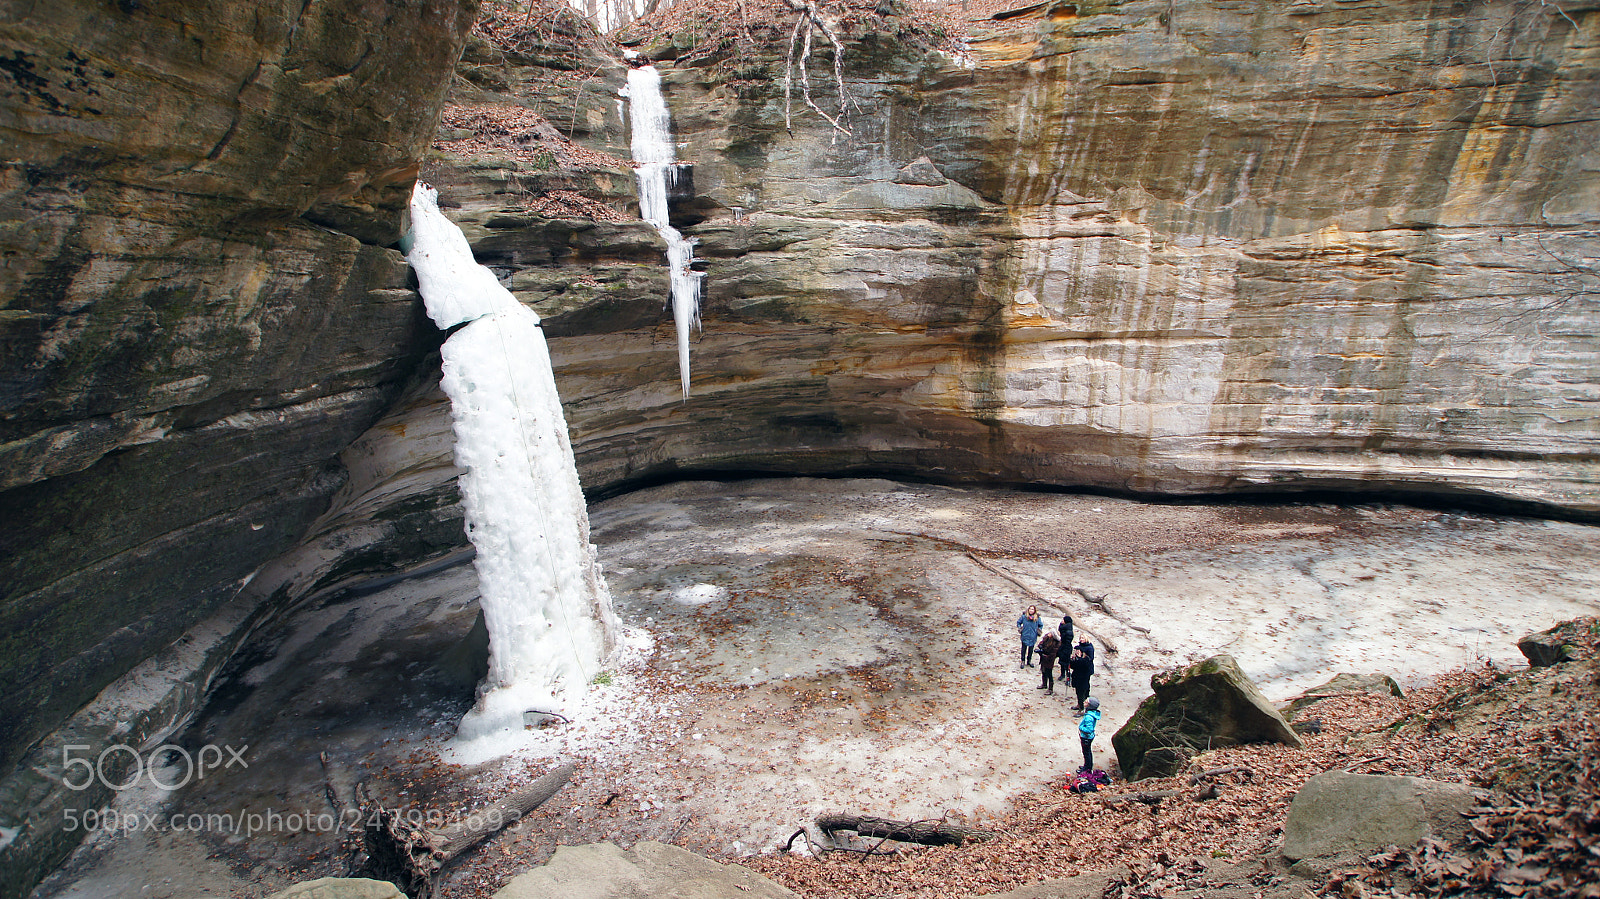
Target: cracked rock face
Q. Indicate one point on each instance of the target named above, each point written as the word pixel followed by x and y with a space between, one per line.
pixel 199 306
pixel 1161 247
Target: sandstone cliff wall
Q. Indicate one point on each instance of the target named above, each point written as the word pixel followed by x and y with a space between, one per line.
pixel 198 305
pixel 1167 247
pixel 1310 243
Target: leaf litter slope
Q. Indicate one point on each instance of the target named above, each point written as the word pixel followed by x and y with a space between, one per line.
pixel 1531 737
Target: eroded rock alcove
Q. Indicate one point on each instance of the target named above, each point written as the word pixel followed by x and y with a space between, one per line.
pixel 1152 248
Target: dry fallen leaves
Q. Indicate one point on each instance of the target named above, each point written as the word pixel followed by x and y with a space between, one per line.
pixel 526 138
pixel 1546 844
pixel 1526 734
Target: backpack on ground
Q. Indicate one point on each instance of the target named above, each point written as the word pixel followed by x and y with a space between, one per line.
pixel 1090 782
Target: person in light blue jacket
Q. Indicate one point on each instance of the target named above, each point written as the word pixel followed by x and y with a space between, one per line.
pixel 1086 726
pixel 1028 628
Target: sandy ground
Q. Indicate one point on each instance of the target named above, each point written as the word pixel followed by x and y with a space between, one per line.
pixel 802 646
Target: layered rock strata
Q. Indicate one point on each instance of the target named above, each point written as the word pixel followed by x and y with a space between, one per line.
pixel 199 307
pixel 1153 246
pixel 1148 246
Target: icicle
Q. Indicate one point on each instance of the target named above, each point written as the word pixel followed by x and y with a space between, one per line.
pixel 546 605
pixel 657 171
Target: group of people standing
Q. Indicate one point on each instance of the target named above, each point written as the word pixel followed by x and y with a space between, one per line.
pixel 1053 645
pixel 1077 660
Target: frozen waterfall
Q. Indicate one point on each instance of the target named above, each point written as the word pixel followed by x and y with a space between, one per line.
pixel 609 15
pixel 544 600
pixel 657 169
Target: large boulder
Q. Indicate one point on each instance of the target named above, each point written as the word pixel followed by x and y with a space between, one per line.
pixel 1337 813
pixel 604 871
pixel 1204 706
pixel 1558 644
pixel 1376 684
pixel 341 888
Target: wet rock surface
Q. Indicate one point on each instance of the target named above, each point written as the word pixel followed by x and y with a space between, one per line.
pixel 199 308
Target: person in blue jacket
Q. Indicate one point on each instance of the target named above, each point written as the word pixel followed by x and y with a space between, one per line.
pixel 1086 726
pixel 1028 627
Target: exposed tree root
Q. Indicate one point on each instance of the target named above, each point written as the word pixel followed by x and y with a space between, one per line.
pixel 809 21
pixel 403 852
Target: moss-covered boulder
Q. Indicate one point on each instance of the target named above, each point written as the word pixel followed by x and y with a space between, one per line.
pixel 1557 644
pixel 1204 706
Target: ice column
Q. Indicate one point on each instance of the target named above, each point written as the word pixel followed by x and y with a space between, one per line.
pixel 609 15
pixel 657 168
pixel 544 600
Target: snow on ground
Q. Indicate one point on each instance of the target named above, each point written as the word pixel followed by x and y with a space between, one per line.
pixel 799 646
pixel 862 652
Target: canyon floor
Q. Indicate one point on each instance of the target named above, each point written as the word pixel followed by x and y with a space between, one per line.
pixel 799 646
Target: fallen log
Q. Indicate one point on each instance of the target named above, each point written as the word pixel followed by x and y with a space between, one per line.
pixel 1148 797
pixel 401 850
pixel 932 832
pixel 1041 599
pixel 1200 776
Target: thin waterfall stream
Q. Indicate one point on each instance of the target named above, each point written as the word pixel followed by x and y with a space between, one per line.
pixel 658 171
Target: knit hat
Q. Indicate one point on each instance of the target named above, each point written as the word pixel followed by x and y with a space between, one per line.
pixel 1092 704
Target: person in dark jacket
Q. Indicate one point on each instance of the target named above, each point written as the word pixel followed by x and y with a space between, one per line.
pixel 1048 646
pixel 1065 652
pixel 1082 664
pixel 1028 628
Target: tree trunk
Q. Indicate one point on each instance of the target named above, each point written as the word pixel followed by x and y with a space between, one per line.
pixel 927 833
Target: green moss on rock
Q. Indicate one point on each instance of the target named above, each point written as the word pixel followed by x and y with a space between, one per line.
pixel 1204 706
